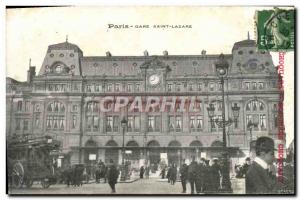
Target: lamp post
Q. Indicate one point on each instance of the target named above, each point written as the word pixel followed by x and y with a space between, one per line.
pixel 236 112
pixel 250 126
pixel 211 111
pixel 222 71
pixel 123 172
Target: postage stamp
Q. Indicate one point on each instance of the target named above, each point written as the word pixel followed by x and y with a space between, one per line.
pixel 275 29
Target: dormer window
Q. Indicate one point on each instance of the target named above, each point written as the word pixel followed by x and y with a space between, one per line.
pixel 58 69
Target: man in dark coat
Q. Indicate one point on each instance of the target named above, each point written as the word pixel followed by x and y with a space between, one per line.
pixel 142 171
pixel 206 177
pixel 215 175
pixel 258 179
pixel 192 171
pixel 173 174
pixel 112 176
pixel 183 176
pixel 200 176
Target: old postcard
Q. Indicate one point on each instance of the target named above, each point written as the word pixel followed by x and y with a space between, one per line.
pixel 150 100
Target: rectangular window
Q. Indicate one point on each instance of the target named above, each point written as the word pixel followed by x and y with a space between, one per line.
pixel 178 124
pixel 178 87
pixel 199 87
pixel 27 106
pixel 262 121
pixel 137 87
pixel 96 123
pixel 88 88
pixel 254 86
pixel 112 123
pixel 89 123
pixel 18 124
pixel 19 107
pixel 261 85
pixel 154 123
pixel 171 123
pixel 169 87
pixel 116 123
pixel 74 121
pixel 97 88
pixel 133 124
pixel 109 87
pixel 129 87
pixel 190 87
pixel 219 86
pixel 211 87
pixel 196 123
pixel 199 122
pixel 25 124
pixel 247 85
pixel 109 123
pixel 117 87
pixel 37 121
pixel 137 123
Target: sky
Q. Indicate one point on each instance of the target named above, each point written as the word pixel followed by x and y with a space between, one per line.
pixel 214 29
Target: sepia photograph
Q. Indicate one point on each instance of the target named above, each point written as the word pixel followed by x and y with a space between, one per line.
pixel 150 100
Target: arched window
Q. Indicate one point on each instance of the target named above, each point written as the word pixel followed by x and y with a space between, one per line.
pixel 256 115
pixel 92 116
pixel 55 119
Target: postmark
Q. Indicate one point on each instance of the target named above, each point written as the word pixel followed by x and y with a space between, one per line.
pixel 275 29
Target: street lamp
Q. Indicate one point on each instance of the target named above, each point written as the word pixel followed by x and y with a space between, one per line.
pixel 236 112
pixel 211 110
pixel 250 126
pixel 123 172
pixel 222 71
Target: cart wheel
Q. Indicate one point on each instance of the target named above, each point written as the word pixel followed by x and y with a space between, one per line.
pixel 28 183
pixel 17 175
pixel 45 183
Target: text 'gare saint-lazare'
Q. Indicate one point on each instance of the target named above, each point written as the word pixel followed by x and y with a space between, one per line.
pixel 125 26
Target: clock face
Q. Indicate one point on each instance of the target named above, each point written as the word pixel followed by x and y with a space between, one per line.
pixel 154 79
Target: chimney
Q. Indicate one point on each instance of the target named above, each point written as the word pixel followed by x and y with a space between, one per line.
pixel 30 74
pixel 146 53
pixel 165 53
pixel 203 52
pixel 108 54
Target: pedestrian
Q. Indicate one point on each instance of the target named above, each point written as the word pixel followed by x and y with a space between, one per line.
pixel 258 179
pixel 183 176
pixel 147 172
pixel 192 170
pixel 112 176
pixel 169 174
pixel 199 176
pixel 173 174
pixel 206 177
pixel 163 173
pixel 98 173
pixel 215 175
pixel 142 171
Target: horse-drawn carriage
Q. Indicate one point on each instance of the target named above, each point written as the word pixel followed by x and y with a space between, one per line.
pixel 30 159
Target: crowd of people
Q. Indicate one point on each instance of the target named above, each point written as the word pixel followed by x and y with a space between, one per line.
pixel 204 176
pixel 201 176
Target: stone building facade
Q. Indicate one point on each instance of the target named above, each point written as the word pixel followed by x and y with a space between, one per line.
pixel 62 101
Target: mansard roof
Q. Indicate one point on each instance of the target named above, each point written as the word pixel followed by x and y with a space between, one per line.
pixel 64 46
pixel 244 43
pixel 131 65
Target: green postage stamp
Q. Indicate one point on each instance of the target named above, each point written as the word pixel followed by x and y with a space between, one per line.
pixel 275 29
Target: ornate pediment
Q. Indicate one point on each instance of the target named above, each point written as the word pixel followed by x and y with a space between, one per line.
pixel 154 63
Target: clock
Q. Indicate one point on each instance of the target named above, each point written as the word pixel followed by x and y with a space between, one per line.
pixel 154 79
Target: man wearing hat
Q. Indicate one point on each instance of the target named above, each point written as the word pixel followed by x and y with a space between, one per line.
pixel 258 179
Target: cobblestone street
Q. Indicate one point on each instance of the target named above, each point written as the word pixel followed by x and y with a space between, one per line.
pixel 141 186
